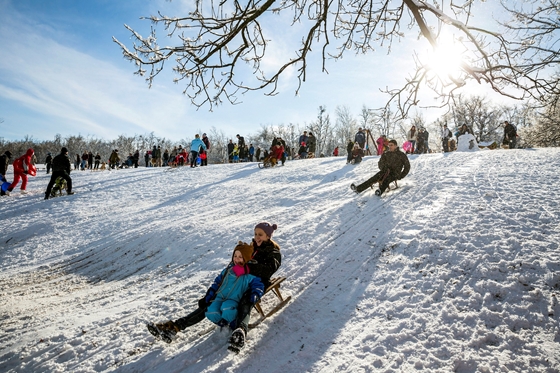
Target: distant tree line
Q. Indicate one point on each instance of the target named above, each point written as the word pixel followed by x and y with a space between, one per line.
pixel 536 128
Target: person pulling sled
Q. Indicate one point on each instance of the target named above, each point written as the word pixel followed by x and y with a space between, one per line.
pixel 393 165
pixel 61 169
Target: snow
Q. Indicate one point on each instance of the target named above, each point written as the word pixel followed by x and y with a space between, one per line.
pixel 467 143
pixel 457 270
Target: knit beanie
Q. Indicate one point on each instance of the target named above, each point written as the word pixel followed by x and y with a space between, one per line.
pixel 267 228
pixel 64 150
pixel 246 251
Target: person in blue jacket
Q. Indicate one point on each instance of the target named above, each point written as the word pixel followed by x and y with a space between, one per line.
pixel 196 144
pixel 261 258
pixel 230 286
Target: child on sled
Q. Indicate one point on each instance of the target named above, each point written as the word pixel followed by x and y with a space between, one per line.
pixel 262 262
pixel 230 285
pixel 223 297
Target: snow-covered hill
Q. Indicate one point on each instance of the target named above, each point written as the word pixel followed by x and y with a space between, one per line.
pixel 457 270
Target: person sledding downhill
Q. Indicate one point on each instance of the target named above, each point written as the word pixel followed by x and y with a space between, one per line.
pixel 246 277
pixel 276 154
pixel 393 165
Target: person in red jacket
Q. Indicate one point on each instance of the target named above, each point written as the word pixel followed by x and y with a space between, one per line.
pixel 277 153
pixel 22 168
pixel 203 158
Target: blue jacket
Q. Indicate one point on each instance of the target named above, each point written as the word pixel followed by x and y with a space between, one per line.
pixel 228 286
pixel 196 144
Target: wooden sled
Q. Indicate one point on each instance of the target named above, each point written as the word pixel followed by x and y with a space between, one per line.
pixel 265 164
pixel 275 288
pixel 268 162
pixel 395 185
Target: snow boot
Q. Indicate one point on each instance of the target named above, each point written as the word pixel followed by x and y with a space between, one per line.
pixel 237 340
pixel 166 331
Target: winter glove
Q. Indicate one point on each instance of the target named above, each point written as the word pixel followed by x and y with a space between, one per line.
pixel 239 270
pixel 202 303
pixel 210 294
pixel 254 298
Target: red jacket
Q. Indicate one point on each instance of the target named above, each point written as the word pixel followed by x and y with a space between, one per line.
pixel 278 152
pixel 23 165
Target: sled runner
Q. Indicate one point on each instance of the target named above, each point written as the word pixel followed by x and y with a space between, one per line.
pixel 168 334
pixel 268 162
pixel 395 185
pixel 275 288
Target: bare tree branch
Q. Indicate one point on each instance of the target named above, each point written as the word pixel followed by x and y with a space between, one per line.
pixel 220 40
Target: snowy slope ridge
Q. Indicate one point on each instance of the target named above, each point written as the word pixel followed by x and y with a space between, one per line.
pixel 457 270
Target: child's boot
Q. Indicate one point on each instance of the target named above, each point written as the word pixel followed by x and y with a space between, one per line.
pixel 166 331
pixel 237 340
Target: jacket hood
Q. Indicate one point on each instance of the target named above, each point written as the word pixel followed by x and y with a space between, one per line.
pixel 29 152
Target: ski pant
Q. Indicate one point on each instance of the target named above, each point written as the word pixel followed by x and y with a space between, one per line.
pixel 244 312
pixel 48 168
pixel 17 177
pixel 445 143
pixel 386 178
pixel 55 176
pixel 192 318
pixel 194 156
pixel 222 309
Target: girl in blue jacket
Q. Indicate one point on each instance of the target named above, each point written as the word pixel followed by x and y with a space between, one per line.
pixel 230 285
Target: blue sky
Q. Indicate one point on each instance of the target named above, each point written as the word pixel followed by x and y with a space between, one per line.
pixel 61 73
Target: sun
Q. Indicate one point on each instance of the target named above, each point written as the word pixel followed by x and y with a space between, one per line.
pixel 446 59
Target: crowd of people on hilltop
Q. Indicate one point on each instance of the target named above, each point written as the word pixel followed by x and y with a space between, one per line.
pixel 197 153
